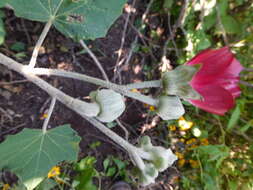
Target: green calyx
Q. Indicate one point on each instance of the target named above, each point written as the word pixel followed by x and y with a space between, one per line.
pixel 111 104
pixel 169 107
pixel 159 160
pixel 177 82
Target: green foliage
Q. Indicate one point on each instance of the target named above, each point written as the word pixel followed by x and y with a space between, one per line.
pixel 234 118
pixel 18 46
pixel 79 19
pixel 86 172
pixel 2 30
pixel 114 167
pixel 31 153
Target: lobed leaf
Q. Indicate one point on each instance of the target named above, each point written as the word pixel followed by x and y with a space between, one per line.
pixel 31 153
pixel 78 19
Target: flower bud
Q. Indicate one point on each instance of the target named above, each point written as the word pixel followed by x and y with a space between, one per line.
pixel 170 107
pixel 161 157
pixel 177 82
pixel 111 104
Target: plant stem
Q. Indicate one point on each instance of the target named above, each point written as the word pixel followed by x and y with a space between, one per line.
pixel 132 150
pixel 81 107
pixel 94 59
pixel 145 84
pixel 50 111
pixel 39 43
pixel 118 88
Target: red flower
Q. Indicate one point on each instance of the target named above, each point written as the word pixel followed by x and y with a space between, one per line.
pixel 216 81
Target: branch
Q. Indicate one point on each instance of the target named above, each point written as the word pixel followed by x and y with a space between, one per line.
pixel 118 88
pixel 39 43
pixel 94 59
pixel 50 111
pixel 81 107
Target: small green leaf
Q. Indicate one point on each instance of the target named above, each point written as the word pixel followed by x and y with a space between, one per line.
pixel 230 24
pixel 209 20
pixel 31 153
pixel 167 4
pixel 2 30
pixel 86 172
pixel 244 128
pixel 223 6
pixel 78 19
pixel 234 117
pixel 18 46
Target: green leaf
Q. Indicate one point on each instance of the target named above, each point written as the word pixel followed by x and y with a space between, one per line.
pixel 46 184
pixel 167 4
pixel 78 19
pixel 230 24
pixel 223 6
pixel 86 171
pixel 209 20
pixel 31 154
pixel 248 125
pixel 2 30
pixel 2 3
pixel 213 153
pixel 234 117
pixel 18 46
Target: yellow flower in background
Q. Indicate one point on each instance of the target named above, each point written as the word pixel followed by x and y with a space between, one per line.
pixel 55 171
pixel 152 108
pixel 181 162
pixel 179 155
pixel 6 187
pixel 194 163
pixel 172 127
pixel 44 116
pixel 183 124
pixel 182 140
pixel 204 142
pixel 191 141
pixel 134 90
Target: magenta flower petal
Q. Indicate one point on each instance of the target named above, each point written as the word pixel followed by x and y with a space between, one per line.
pixel 213 63
pixel 216 100
pixel 217 80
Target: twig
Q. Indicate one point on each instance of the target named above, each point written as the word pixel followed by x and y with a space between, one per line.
pixel 94 59
pixel 224 35
pixel 13 82
pixel 179 23
pixel 26 32
pixel 248 69
pixel 246 83
pixel 123 38
pixel 39 43
pixel 50 111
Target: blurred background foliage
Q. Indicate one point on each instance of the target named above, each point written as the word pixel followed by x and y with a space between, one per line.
pixel 217 151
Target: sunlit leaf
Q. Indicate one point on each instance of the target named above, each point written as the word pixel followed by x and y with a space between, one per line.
pixel 234 118
pixel 31 153
pixel 78 19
